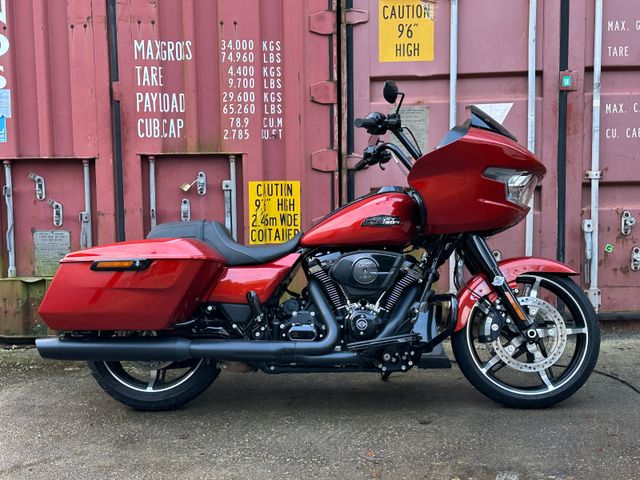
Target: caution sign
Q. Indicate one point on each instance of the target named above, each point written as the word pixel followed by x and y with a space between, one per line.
pixel 405 30
pixel 274 211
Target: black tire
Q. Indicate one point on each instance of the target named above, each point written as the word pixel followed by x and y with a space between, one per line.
pixel 578 368
pixel 127 389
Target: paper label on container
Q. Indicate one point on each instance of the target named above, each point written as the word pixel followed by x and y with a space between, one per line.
pixel 50 247
pixel 3 130
pixel 405 30
pixel 5 103
pixel 274 211
pixel 497 111
pixel 416 119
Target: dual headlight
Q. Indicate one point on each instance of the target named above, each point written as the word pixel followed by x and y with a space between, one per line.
pixel 519 184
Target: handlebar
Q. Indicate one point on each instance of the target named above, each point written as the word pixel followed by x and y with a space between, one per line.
pixel 375 123
pixel 365 123
pixel 362 164
pixel 381 154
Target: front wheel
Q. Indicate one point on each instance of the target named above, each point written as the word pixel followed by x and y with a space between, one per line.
pixel 516 373
pixel 155 385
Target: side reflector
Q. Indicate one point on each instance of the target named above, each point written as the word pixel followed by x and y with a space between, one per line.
pixel 120 265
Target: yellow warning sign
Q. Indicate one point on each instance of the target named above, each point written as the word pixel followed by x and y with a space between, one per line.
pixel 405 30
pixel 274 211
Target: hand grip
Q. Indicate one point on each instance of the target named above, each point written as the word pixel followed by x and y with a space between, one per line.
pixel 362 164
pixel 365 122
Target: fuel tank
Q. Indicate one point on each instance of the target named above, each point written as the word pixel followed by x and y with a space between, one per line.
pixel 386 218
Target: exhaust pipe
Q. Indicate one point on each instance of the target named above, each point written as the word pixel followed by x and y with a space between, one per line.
pixel 177 348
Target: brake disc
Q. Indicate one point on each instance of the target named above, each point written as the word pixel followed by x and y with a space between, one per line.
pixel 555 330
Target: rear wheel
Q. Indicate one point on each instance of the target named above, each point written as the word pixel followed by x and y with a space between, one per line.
pixel 520 374
pixel 155 385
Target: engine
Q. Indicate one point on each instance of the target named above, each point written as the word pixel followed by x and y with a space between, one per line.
pixel 364 287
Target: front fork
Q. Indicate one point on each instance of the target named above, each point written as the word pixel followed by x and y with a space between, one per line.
pixel 478 257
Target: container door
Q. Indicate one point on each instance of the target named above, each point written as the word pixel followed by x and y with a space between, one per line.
pixel 191 187
pixel 201 82
pixel 619 198
pixel 49 214
pixel 409 41
pixel 55 134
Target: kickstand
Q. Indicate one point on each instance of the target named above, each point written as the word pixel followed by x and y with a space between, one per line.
pixel 384 376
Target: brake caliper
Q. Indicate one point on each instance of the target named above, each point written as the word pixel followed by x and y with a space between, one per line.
pixel 494 320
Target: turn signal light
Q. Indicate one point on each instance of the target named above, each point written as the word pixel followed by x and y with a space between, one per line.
pixel 119 265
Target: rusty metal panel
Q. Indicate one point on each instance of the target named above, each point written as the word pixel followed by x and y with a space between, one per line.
pixel 209 79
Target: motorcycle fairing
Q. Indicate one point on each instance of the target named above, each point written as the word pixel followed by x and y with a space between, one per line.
pixel 511 269
pixel 457 194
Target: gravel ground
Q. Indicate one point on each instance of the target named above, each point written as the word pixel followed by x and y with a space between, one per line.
pixel 56 423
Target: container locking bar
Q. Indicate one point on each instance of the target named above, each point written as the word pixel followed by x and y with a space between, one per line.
pixel 587 228
pixel 228 191
pixel 7 193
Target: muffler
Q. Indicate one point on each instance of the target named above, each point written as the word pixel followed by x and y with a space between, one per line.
pixel 178 348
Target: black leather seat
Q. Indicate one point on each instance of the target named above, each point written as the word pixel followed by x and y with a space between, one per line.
pixel 216 235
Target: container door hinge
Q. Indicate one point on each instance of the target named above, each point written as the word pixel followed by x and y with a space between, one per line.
pixel 353 16
pixel 325 92
pixel 116 91
pixel 323 22
pixel 325 160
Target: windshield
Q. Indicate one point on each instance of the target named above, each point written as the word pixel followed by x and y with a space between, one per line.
pixel 480 119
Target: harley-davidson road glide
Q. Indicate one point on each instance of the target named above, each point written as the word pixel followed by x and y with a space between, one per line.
pixel 158 319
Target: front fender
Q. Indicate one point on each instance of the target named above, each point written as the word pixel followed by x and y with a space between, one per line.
pixel 511 269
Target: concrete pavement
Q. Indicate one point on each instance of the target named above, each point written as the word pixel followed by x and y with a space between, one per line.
pixel 56 423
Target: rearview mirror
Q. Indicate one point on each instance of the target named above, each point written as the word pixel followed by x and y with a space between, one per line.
pixel 390 91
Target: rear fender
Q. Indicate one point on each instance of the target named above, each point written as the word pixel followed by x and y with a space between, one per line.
pixel 511 269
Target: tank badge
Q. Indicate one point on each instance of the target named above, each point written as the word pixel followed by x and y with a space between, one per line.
pixel 381 221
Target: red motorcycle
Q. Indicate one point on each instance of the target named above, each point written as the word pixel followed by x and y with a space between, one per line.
pixel 158 319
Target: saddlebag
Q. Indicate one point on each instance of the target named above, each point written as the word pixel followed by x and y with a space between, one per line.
pixel 140 285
